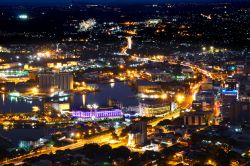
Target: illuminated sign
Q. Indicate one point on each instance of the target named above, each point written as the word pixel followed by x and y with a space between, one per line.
pixel 235 92
pixel 231 93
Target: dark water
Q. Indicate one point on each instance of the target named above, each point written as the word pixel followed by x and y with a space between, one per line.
pixel 118 91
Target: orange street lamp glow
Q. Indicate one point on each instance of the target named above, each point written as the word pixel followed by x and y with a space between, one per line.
pixel 35 90
pixel 180 98
pixel 163 96
pixel 121 66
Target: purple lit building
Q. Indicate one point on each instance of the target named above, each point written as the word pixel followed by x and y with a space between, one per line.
pixel 101 114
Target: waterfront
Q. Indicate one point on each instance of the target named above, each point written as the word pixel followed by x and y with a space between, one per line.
pixel 119 91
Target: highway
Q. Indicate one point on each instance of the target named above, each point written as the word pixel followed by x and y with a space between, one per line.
pixel 174 115
pixel 80 143
pixel 100 139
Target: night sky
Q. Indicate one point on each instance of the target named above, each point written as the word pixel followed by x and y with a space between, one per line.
pixel 102 1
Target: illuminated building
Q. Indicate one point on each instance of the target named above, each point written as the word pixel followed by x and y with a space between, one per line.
pixel 61 80
pixel 150 108
pixel 144 86
pixel 228 97
pixel 198 118
pixel 197 105
pixel 3 49
pixel 138 134
pixel 207 86
pixel 157 75
pixel 152 22
pixel 100 114
pixel 239 112
pixel 135 139
pixel 61 107
pixel 151 147
pixel 87 25
pixel 179 77
pixel 14 94
pixel 13 73
pixel 231 84
pixel 27 145
pixel 204 101
pixel 59 65
pixel 33 75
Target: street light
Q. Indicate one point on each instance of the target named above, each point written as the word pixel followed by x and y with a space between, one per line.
pixel 92 106
pixel 95 106
pixel 163 96
pixel 52 90
pixel 35 90
pixel 212 48
pixel 78 135
pixel 180 98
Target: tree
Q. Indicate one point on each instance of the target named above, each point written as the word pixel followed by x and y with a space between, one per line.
pixel 124 131
pixel 233 155
pixel 150 155
pixel 3 153
pixel 90 150
pixel 121 152
pixel 105 152
pixel 135 162
pixel 165 122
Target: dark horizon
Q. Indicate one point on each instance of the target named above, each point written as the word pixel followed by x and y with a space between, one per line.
pixel 61 2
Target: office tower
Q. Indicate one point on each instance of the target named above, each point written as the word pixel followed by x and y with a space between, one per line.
pixel 62 81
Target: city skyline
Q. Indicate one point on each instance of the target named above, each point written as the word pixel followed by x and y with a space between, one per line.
pixel 124 83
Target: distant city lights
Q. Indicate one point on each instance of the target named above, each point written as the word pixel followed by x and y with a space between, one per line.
pixel 86 25
pixel 23 16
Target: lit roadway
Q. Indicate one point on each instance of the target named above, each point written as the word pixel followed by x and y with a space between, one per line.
pixel 100 139
pixel 193 91
pixel 185 105
pixel 80 143
pixel 215 76
pixel 171 116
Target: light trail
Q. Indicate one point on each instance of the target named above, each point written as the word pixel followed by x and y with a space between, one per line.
pixel 128 46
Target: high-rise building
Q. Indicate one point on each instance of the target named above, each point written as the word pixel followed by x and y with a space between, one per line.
pixel 239 112
pixel 138 134
pixel 204 100
pixel 229 94
pixel 62 81
pixel 231 84
pixel 198 118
